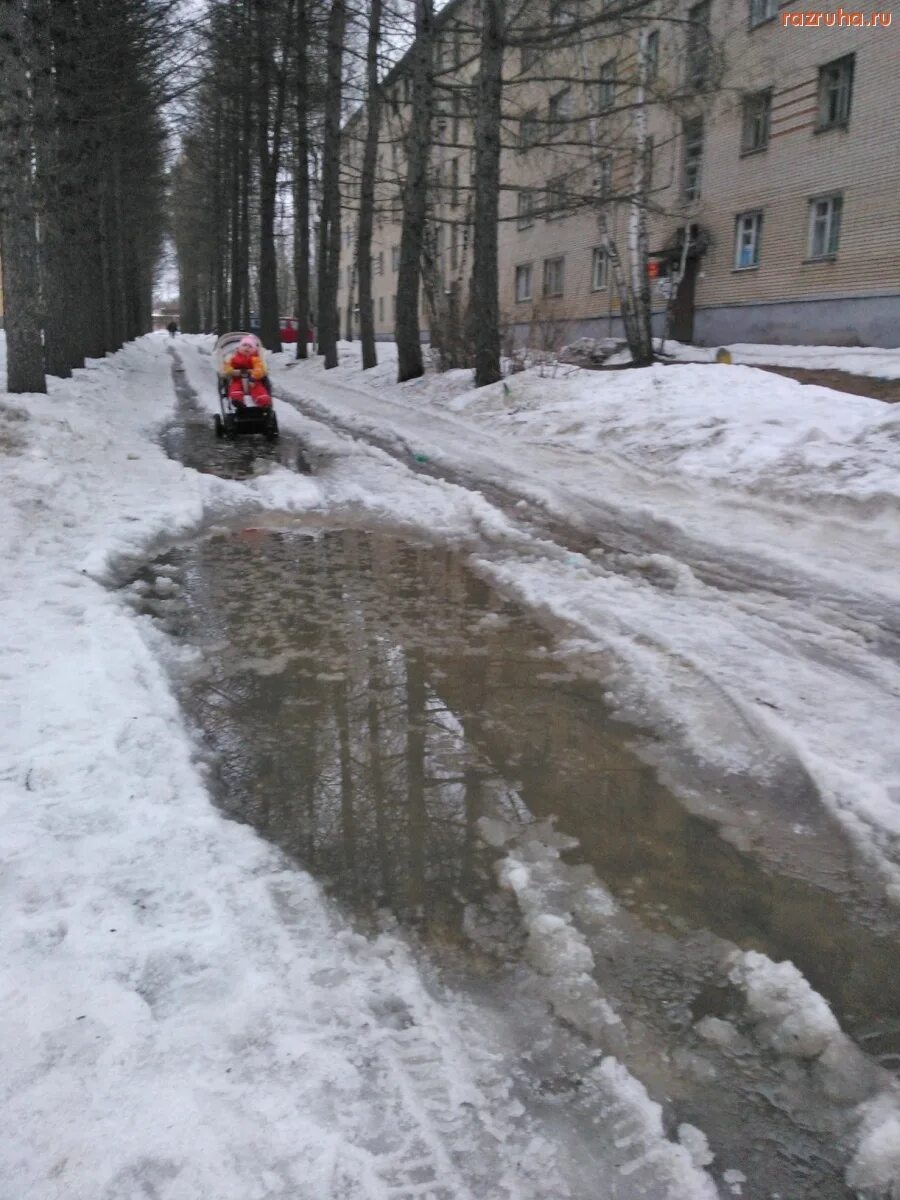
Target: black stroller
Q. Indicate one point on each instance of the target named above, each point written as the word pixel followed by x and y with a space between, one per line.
pixel 249 414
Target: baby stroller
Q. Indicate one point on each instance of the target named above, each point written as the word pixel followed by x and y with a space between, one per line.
pixel 253 411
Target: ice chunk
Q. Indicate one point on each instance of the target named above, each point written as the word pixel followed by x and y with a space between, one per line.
pixel 789 1015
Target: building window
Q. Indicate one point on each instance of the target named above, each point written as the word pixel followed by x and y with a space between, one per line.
pixel 523 282
pixel 698 45
pixel 562 13
pixel 525 211
pixel 454 247
pixel 652 55
pixel 756 121
pixel 762 10
pixel 693 158
pixel 604 180
pixel 599 269
pixel 747 237
pixel 379 263
pixel 380 309
pixel 606 89
pixel 556 199
pixel 825 226
pixel 555 275
pixel 528 129
pixel 395 258
pixel 835 92
pixel 559 112
pixel 454 182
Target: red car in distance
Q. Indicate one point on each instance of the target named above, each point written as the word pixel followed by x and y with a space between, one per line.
pixel 289 330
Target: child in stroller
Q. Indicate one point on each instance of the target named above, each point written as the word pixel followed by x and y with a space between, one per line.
pixel 246 361
pixel 245 394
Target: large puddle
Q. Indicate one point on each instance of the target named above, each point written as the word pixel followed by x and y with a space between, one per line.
pixel 411 738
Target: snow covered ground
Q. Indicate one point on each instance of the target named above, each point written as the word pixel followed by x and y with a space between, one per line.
pixel 185 1015
pixel 874 361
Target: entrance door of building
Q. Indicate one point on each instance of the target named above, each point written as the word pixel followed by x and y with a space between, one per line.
pixel 683 306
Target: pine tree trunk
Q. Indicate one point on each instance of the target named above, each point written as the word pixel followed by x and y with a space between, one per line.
pixel 485 278
pixel 18 209
pixel 367 190
pixel 270 118
pixel 234 228
pixel 409 345
pixel 330 220
pixel 301 182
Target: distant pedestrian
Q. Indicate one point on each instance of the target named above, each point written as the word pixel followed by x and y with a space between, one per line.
pixel 172 328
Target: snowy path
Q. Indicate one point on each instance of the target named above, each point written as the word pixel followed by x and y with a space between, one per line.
pixel 185 1016
pixel 695 633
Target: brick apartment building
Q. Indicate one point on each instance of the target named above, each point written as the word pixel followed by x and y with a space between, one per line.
pixel 774 150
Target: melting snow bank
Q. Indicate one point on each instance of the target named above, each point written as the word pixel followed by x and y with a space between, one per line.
pixel 873 361
pixel 185 1016
pixel 791 1019
pixel 780 1041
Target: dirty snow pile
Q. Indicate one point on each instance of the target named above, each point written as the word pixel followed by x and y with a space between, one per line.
pixel 184 1015
pixel 873 361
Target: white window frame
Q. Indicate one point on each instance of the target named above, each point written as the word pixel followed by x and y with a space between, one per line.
pixel 555 192
pixel 698 57
pixel 604 182
pixel 562 13
pixel 524 276
pixel 762 11
pixel 606 87
pixel 836 83
pixel 825 213
pixel 756 121
pixel 529 124
pixel 693 192
pixel 559 111
pixel 553 264
pixel 748 235
pixel 525 208
pixel 599 269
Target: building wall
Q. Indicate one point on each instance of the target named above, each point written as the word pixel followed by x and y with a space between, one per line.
pixel 860 161
pixel 852 298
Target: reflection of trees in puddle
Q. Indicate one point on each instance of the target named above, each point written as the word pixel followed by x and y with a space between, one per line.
pixel 375 702
pixel 383 700
pixel 347 756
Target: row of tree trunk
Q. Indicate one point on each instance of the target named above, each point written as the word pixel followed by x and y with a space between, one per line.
pixel 82 178
pixel 282 77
